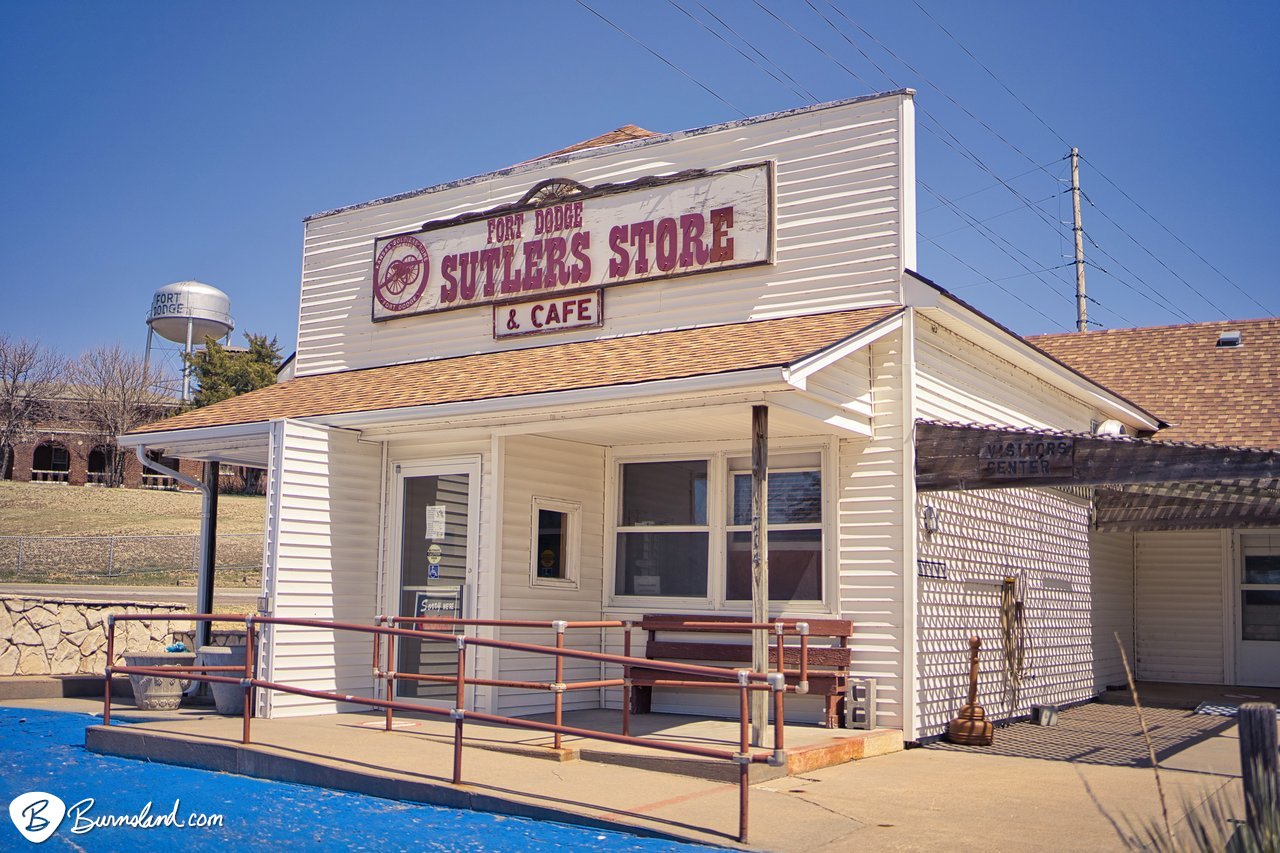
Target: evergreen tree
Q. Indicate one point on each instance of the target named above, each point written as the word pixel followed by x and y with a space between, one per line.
pixel 221 373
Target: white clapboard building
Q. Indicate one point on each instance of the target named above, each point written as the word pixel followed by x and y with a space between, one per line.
pixel 532 390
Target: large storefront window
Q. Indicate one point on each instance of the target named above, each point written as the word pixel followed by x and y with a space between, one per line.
pixel 663 533
pixel 667 538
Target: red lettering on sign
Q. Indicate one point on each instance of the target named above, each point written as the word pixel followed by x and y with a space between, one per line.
pixel 579 243
pixel 620 263
pixel 467 274
pixel 489 266
pixel 641 237
pixel 532 279
pixel 692 250
pixel 556 274
pixel 584 311
pixel 449 287
pixel 533 315
pixel 510 280
pixel 666 244
pixel 721 242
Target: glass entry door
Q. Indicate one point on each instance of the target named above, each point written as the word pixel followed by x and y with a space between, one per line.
pixel 437 511
pixel 1258 640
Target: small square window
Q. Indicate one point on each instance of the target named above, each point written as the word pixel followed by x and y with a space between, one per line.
pixel 554 542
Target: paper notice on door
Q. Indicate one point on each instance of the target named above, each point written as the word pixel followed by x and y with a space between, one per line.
pixel 435 522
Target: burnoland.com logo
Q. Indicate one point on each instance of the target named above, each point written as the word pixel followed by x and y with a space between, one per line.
pixel 38 815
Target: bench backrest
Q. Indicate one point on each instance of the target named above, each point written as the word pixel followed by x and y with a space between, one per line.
pixel 839 628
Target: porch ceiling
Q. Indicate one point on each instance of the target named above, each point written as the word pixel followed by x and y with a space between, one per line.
pixel 731 422
pixel 1141 484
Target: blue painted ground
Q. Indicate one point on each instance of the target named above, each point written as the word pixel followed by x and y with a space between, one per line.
pixel 44 751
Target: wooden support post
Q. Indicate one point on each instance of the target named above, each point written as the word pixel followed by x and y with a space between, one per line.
pixel 1082 304
pixel 1259 764
pixel 759 565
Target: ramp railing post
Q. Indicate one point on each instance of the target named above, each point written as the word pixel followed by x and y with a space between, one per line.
pixel 250 646
pixel 111 659
pixel 626 680
pixel 459 709
pixel 558 687
pixel 744 753
pixel 391 672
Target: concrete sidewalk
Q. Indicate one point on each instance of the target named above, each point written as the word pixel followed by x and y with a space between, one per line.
pixel 1078 785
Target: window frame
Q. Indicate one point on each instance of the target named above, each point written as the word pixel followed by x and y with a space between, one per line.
pixel 719 494
pixel 820 525
pixel 572 510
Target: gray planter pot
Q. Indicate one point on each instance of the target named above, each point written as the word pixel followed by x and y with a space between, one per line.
pixel 157 693
pixel 229 698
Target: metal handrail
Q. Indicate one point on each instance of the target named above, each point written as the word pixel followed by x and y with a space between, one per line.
pixel 746 682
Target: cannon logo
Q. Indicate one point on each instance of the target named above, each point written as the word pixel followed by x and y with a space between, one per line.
pixel 37 815
pixel 400 273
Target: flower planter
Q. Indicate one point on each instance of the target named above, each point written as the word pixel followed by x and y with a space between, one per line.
pixel 229 698
pixel 154 692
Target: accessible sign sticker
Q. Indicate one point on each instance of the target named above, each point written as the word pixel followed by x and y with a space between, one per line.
pixel 562 238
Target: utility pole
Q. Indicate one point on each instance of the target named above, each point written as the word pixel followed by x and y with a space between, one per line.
pixel 1082 310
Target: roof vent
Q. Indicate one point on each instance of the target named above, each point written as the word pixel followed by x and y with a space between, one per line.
pixel 1227 340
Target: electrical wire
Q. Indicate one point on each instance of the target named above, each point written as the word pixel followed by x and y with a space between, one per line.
pixel 758 52
pixel 663 59
pixel 1180 241
pixel 795 91
pixel 1099 172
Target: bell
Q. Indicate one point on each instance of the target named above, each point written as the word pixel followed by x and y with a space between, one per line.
pixel 971 726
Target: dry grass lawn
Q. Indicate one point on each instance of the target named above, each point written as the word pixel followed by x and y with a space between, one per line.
pixel 46 509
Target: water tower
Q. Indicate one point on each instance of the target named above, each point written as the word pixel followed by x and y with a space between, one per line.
pixel 187 312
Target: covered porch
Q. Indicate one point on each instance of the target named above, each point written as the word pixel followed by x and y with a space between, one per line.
pixel 1111 550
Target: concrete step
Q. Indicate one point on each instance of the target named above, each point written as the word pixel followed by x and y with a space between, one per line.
pixel 15 687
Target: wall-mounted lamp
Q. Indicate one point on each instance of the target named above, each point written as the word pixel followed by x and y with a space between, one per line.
pixel 929 518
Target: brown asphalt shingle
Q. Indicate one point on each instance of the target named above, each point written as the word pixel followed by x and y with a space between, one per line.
pixel 1211 395
pixel 559 367
pixel 623 134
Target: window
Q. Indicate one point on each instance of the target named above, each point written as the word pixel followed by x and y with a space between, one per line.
pixel 795 537
pixel 663 534
pixel 555 543
pixel 676 519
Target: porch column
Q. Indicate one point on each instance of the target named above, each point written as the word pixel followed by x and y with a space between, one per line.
pixel 759 565
pixel 208 549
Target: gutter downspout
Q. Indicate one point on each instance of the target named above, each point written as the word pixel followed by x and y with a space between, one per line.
pixel 208 533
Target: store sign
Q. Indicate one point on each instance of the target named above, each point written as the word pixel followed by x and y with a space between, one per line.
pixel 552 314
pixel 443 603
pixel 1015 460
pixel 563 238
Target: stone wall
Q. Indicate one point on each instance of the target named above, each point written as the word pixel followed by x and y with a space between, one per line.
pixel 65 636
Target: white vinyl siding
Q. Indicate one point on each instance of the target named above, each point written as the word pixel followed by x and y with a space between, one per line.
pixel 956 380
pixel 1180 606
pixel 870 538
pixel 839 235
pixel 1074 598
pixel 326 564
pixel 565 471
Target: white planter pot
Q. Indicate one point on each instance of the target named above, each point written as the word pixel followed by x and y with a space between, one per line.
pixel 154 692
pixel 229 698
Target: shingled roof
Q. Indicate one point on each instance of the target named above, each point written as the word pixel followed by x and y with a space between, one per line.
pixel 537 370
pixel 626 133
pixel 1226 395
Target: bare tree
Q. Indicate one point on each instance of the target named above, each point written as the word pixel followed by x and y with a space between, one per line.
pixel 116 394
pixel 32 382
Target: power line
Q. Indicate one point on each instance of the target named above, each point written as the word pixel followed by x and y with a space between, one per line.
pixel 996 185
pixel 994 216
pixel 1152 255
pixel 1098 171
pixel 739 50
pixel 854 74
pixel 991 74
pixel 976 272
pixel 1180 241
pixel 663 59
pixel 751 46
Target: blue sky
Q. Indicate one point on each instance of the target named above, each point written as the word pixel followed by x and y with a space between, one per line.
pixel 145 143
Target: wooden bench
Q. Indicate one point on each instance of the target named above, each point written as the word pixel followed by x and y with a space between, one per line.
pixel 828 665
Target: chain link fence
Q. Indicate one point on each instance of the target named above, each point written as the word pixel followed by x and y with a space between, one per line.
pixel 128 560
